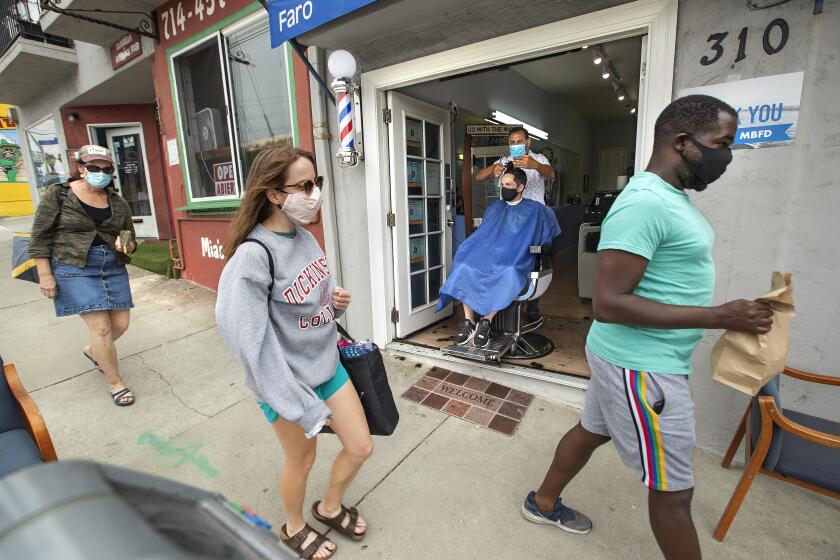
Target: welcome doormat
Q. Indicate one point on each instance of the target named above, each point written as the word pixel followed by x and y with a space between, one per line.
pixel 478 401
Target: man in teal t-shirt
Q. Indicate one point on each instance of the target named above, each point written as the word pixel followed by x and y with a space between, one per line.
pixel 652 299
pixel 657 222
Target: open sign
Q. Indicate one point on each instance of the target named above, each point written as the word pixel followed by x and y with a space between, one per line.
pixel 223 179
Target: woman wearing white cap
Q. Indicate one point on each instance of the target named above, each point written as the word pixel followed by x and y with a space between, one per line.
pixel 81 237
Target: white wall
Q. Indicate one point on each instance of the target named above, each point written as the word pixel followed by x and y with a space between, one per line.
pixel 617 134
pixel 776 208
pixel 351 230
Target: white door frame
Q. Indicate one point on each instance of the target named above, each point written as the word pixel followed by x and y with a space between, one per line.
pixel 656 18
pixel 92 128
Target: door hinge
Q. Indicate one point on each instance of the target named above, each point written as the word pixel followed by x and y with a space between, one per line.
pixel 391 219
pixel 386 116
pixel 395 316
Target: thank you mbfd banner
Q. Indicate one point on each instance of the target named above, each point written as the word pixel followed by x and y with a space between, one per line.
pixel 768 108
pixel 289 18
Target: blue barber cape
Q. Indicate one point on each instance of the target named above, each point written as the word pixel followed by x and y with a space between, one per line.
pixel 492 265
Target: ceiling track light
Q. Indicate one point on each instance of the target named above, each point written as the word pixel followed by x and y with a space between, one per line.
pixel 608 71
pixel 597 55
pixel 619 91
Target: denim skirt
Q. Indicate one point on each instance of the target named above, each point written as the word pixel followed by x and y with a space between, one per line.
pixel 102 285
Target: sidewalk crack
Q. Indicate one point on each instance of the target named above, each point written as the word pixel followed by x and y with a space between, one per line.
pixel 121 358
pixel 171 387
pixel 395 467
pixel 20 304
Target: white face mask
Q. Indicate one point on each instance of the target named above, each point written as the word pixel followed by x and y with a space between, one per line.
pixel 302 209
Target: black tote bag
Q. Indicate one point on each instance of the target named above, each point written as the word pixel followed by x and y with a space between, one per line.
pixel 367 372
pixel 23 266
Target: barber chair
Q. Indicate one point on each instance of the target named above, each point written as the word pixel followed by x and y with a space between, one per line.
pixel 514 337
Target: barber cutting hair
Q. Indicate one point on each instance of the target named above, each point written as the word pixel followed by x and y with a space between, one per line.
pixel 535 166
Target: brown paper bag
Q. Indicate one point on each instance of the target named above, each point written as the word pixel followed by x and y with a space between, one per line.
pixel 747 361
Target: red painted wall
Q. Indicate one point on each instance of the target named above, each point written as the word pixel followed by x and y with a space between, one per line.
pixel 76 133
pixel 192 227
pixel 202 240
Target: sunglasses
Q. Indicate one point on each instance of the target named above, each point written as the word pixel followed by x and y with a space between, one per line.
pixel 96 169
pixel 306 186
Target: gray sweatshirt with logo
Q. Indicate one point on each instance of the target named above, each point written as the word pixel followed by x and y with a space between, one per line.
pixel 288 346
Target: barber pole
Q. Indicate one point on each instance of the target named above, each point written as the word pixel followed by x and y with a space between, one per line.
pixel 347 154
pixel 345 120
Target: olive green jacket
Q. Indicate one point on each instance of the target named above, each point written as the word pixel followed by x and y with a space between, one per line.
pixel 64 231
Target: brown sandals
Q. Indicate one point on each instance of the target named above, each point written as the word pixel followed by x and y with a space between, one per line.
pixel 296 542
pixel 335 522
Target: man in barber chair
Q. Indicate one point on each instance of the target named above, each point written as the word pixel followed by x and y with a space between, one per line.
pixel 493 264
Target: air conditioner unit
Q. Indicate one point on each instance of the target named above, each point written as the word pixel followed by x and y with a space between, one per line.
pixel 209 122
pixel 588 238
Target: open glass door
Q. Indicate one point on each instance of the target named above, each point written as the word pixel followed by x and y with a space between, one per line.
pixel 131 177
pixel 420 159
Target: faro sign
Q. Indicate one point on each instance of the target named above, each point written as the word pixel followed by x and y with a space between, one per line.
pixel 289 18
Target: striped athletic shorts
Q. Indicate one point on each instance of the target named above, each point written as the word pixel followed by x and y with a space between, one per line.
pixel 622 404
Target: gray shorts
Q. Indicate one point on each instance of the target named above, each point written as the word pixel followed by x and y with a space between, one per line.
pixel 620 404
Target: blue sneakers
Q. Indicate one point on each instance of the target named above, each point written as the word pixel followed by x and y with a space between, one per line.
pixel 563 517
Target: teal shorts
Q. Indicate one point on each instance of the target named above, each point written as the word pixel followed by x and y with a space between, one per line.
pixel 324 391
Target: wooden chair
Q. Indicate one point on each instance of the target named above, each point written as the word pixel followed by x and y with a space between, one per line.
pixel 807 459
pixel 22 429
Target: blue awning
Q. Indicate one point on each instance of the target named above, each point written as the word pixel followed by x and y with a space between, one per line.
pixel 289 18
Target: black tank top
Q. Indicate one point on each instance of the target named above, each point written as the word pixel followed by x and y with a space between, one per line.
pixel 98 215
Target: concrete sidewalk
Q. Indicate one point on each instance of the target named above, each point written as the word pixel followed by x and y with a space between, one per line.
pixel 439 488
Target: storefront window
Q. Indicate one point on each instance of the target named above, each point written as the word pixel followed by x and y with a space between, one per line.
pixel 206 133
pixel 261 99
pixel 234 98
pixel 48 163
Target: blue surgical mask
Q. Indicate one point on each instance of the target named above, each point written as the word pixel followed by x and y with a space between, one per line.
pixel 517 151
pixel 98 180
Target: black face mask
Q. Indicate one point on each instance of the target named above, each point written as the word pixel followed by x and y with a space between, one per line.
pixel 509 194
pixel 709 168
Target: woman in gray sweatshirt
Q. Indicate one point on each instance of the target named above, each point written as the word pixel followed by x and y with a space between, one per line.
pixel 282 331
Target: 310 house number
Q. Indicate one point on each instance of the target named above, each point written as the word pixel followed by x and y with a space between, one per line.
pixel 173 19
pixel 771 42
